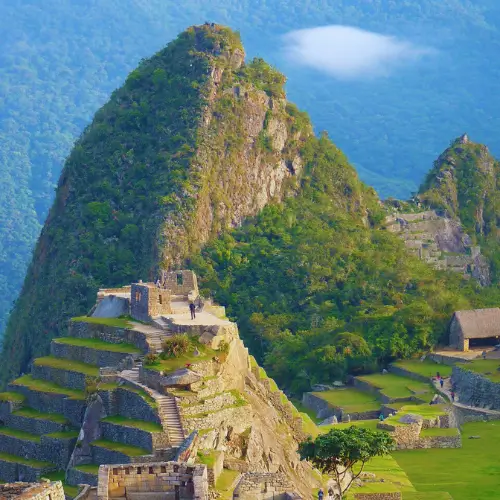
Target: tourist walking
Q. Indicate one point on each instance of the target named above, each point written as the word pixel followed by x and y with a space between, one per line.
pixel 331 494
pixel 320 494
pixel 452 394
pixel 192 309
pixel 441 382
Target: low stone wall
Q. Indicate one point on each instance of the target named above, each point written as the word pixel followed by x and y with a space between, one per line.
pixel 365 386
pixel 10 472
pixel 57 450
pixel 206 388
pixel 88 355
pixel 464 415
pixel 475 390
pixel 210 404
pixel 144 480
pixel 262 486
pixel 378 496
pixel 405 436
pixel 33 491
pixel 104 456
pixel 34 425
pixel 114 335
pixel 132 405
pixel 396 370
pixel 322 408
pixel 65 378
pixel 134 437
pixel 74 410
pixel 75 477
pixel 439 442
pixel 21 447
pixel 445 360
pixel 7 407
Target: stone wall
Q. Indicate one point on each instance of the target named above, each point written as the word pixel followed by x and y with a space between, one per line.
pixel 75 477
pixel 132 405
pixel 475 390
pixel 65 378
pixel 34 425
pixel 406 435
pixel 457 336
pixel 140 480
pixel 22 472
pixel 439 441
pixel 101 455
pixel 240 416
pixel 57 450
pixel 114 335
pixel 465 415
pixel 262 486
pixel 148 301
pixel 365 386
pixel 180 282
pixel 88 355
pixel 445 360
pixel 134 437
pixel 408 374
pixel 45 490
pixel 324 409
pixel 216 403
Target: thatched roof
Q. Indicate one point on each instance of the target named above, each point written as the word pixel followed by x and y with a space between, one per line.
pixel 479 323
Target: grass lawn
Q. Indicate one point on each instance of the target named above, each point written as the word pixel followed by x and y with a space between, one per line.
pixel 7 431
pixel 99 345
pixel 487 367
pixel 427 368
pixel 468 473
pixel 439 431
pixel 137 424
pixel 12 396
pixel 426 411
pixel 394 386
pixel 116 322
pixel 31 413
pixel 131 451
pixel 48 387
pixel 351 400
pixel 25 461
pixel 172 364
pixel 207 457
pixel 224 483
pixel 89 468
pixel 68 364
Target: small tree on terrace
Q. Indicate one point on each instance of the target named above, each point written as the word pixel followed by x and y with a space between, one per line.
pixel 343 453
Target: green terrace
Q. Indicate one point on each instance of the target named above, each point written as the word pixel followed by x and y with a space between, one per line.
pixel 426 368
pixel 439 431
pixel 395 387
pixel 31 413
pixel 88 468
pixel 174 363
pixel 99 345
pixel 67 364
pixel 7 431
pixel 122 322
pixel 350 399
pixel 489 368
pixel 47 387
pixel 63 435
pixel 137 424
pixel 428 412
pixel 111 386
pixel 70 491
pixel 225 482
pixel 12 396
pixel 6 457
pixel 131 451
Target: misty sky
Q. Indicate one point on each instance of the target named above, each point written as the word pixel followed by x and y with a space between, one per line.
pixel 350 53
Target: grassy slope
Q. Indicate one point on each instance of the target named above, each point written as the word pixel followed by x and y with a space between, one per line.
pixel 427 368
pixel 395 386
pixel 352 400
pixel 99 345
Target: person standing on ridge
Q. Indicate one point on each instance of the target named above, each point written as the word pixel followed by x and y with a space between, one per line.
pixel 192 308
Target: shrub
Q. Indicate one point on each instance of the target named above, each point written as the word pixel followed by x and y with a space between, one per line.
pixel 176 346
pixel 150 359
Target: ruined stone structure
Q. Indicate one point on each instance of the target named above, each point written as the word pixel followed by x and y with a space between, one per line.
pixel 32 491
pixel 474 324
pixel 102 397
pixel 155 481
pixel 441 242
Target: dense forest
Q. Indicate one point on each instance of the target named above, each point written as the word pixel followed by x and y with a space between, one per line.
pixel 61 59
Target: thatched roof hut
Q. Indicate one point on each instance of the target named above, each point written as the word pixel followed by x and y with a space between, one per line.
pixel 474 324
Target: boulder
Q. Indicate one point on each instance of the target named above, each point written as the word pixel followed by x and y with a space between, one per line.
pixel 183 376
pixel 330 421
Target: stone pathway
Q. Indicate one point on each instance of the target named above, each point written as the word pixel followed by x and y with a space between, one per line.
pixel 154 335
pixel 446 391
pixel 167 407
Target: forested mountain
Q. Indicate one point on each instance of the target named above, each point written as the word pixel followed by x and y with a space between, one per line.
pixel 194 144
pixel 60 60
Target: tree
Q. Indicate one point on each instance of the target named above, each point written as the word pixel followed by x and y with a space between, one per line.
pixel 341 451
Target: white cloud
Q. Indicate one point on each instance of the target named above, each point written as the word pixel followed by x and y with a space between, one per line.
pixel 350 53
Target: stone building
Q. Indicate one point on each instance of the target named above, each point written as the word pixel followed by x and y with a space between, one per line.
pixel 32 491
pixel 148 301
pixel 477 327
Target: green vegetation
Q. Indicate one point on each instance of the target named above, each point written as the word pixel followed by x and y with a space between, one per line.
pixel 7 431
pixel 63 435
pixel 170 364
pixel 89 468
pixel 25 461
pixel 489 368
pixel 427 368
pixel 12 396
pixel 99 345
pixel 395 387
pixel 32 413
pixel 137 424
pixel 439 431
pixel 468 473
pixel 143 394
pixel 207 457
pixel 351 400
pixel 224 483
pixel 131 451
pixel 44 386
pixel 116 322
pixel 68 364
pixel 71 491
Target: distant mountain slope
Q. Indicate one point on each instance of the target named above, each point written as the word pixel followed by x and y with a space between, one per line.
pixel 61 59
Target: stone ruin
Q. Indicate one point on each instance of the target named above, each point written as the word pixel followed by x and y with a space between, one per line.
pixel 32 491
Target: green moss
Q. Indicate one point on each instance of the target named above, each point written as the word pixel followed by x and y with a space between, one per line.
pixel 115 322
pixel 48 387
pixel 32 413
pixel 98 345
pixel 131 451
pixel 137 424
pixel 25 461
pixel 68 364
pixel 7 431
pixel 12 396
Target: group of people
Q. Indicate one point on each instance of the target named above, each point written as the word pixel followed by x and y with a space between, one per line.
pixel 331 494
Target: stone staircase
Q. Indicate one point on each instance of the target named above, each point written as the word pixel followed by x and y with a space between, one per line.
pixel 133 374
